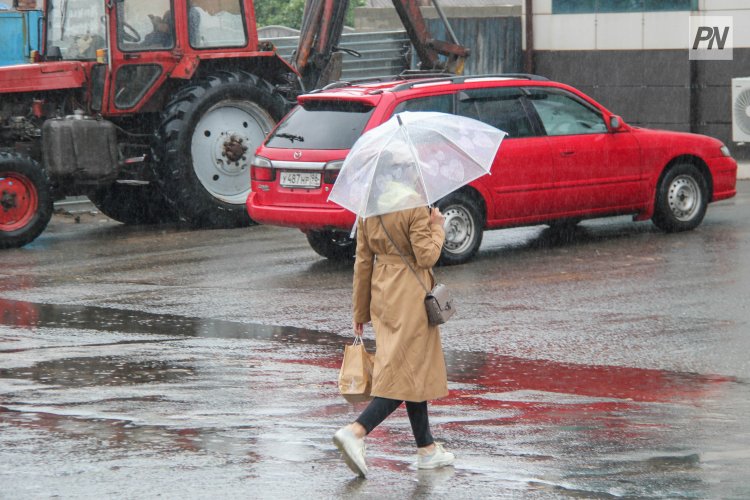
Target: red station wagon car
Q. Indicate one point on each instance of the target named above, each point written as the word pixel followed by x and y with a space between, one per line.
pixel 565 158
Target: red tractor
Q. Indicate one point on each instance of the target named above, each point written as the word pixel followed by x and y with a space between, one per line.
pixel 154 108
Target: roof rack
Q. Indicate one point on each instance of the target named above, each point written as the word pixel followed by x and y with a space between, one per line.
pixel 409 74
pixel 345 83
pixel 415 76
pixel 463 78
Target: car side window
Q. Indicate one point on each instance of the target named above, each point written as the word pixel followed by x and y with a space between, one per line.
pixel 441 103
pixel 500 107
pixel 562 114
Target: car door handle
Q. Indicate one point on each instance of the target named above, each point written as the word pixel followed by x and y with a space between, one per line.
pixel 131 56
pixel 567 153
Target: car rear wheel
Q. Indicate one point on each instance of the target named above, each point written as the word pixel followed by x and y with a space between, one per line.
pixel 25 200
pixel 681 199
pixel 334 245
pixel 464 226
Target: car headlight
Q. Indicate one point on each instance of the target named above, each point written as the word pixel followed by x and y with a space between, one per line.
pixel 725 150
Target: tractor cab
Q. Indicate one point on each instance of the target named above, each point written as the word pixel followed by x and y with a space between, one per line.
pixel 130 47
pixel 76 29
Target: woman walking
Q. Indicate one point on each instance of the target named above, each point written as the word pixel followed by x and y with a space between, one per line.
pixel 409 361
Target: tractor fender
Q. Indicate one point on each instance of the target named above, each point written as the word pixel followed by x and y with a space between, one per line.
pixel 266 64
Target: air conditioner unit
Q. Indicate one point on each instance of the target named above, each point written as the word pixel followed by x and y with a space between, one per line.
pixel 741 109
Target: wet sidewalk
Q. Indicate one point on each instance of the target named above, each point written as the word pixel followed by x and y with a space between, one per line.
pixel 162 362
pixel 125 409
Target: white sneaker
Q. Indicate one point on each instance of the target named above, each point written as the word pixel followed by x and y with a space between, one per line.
pixel 438 458
pixel 352 450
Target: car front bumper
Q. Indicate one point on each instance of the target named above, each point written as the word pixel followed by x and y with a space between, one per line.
pixel 724 172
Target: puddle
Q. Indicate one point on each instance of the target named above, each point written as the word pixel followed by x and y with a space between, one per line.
pixel 30 315
pixel 556 428
pixel 484 375
pixel 98 371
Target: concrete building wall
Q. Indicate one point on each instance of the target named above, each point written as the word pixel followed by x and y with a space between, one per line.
pixel 637 64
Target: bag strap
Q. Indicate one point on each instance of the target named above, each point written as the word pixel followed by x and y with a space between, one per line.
pixel 367 238
pixel 402 255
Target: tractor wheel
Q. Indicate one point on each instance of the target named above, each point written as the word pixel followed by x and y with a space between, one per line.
pixel 133 204
pixel 208 135
pixel 25 200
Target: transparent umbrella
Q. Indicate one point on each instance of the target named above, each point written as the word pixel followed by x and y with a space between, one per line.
pixel 412 160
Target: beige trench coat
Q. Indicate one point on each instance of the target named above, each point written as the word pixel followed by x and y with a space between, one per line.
pixel 409 361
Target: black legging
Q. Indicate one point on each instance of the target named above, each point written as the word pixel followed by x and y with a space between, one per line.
pixel 379 409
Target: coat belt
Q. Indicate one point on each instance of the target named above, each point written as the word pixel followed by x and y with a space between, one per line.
pixel 394 259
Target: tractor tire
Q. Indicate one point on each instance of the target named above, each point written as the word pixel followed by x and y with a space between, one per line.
pixel 333 245
pixel 133 204
pixel 681 199
pixel 464 228
pixel 208 135
pixel 25 200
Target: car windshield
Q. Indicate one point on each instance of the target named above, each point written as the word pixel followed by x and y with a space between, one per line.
pixel 321 125
pixel 77 27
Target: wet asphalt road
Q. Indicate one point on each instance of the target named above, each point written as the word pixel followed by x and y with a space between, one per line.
pixel 163 362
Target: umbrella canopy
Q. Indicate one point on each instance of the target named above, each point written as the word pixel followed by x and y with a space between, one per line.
pixel 413 160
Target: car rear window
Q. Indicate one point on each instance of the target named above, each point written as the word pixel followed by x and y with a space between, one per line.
pixel 321 125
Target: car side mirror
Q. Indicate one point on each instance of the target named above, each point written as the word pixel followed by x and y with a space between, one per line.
pixel 615 123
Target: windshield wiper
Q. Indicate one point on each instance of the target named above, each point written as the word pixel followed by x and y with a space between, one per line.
pixel 291 137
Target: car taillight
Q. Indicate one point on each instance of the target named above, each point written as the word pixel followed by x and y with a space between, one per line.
pixel 262 174
pixel 331 171
pixel 262 170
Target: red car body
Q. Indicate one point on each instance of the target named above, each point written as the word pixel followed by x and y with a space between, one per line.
pixel 558 170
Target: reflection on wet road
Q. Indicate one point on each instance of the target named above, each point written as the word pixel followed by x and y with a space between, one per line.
pixel 609 363
pixel 146 393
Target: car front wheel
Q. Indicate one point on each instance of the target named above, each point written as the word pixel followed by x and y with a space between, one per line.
pixel 464 225
pixel 681 199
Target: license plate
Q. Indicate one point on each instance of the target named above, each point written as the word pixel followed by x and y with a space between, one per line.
pixel 300 179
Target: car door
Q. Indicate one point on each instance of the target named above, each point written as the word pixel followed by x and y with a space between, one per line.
pixel 596 171
pixel 522 176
